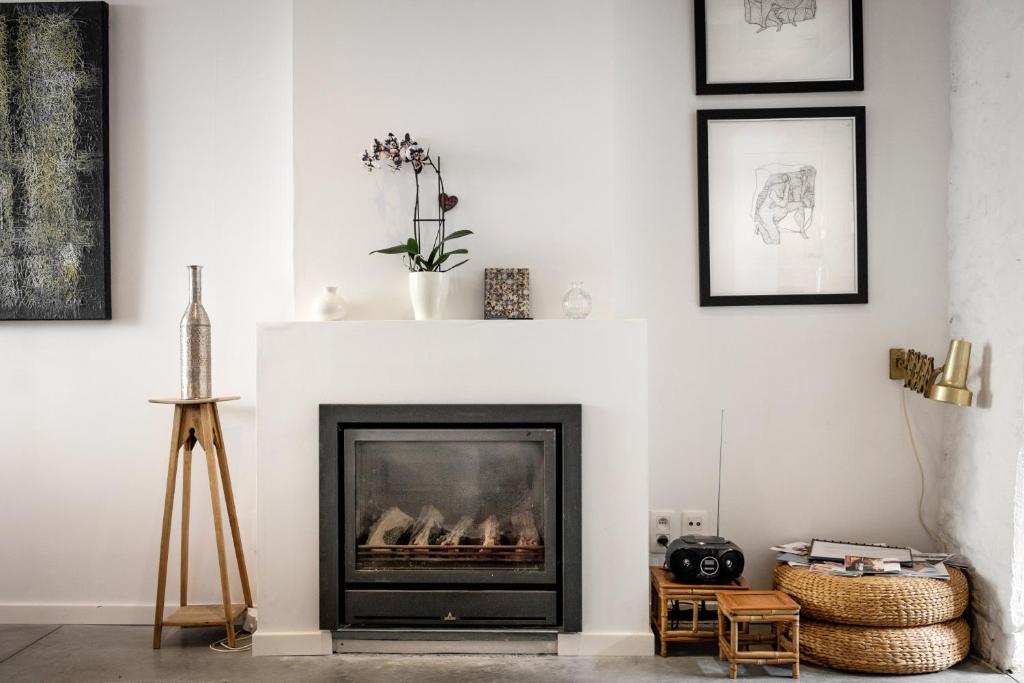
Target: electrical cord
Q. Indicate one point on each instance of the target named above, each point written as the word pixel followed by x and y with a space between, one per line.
pixel 243 643
pixel 920 468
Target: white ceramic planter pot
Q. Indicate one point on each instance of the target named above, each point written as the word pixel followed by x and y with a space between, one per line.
pixel 429 293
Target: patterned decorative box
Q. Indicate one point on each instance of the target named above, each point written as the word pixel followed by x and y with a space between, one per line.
pixel 507 293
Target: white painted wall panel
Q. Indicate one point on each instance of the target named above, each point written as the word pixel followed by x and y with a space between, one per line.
pixel 200 120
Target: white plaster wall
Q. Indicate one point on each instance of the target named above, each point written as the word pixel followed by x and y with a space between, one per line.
pixel 302 365
pixel 200 114
pixel 568 130
pixel 544 114
pixel 514 96
pixel 982 514
pixel 813 427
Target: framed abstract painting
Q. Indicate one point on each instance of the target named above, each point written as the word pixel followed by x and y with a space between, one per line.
pixel 54 175
pixel 782 206
pixel 778 46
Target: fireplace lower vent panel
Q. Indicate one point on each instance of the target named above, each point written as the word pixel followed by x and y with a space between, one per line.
pixel 451 608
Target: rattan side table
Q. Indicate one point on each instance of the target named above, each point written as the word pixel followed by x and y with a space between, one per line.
pixel 667 593
pixel 774 608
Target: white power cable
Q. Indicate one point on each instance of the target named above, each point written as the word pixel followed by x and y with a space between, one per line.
pixel 920 467
pixel 243 643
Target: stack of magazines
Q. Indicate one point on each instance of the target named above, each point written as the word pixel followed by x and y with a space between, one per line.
pixel 842 558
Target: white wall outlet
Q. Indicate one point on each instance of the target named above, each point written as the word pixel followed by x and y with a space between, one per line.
pixel 663 529
pixel 695 522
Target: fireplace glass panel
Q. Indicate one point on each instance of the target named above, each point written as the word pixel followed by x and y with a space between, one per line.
pixel 462 503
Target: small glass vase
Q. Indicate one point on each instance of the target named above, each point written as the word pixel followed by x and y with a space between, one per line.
pixel 577 303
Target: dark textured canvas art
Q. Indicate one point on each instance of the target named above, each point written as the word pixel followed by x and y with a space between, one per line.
pixel 54 199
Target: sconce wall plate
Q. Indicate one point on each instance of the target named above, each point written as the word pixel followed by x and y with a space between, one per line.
pixel 897 363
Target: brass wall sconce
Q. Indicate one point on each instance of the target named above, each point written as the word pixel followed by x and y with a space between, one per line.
pixel 947 384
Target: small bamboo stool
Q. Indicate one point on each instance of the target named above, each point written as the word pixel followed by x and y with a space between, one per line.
pixel 198 421
pixel 665 590
pixel 774 608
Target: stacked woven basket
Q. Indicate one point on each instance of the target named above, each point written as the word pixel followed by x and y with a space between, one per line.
pixel 879 624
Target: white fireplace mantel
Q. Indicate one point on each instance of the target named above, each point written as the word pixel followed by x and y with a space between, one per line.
pixel 601 364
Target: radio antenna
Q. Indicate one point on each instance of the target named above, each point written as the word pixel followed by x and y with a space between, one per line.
pixel 721 441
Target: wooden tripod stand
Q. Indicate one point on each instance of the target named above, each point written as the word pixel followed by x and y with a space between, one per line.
pixel 198 421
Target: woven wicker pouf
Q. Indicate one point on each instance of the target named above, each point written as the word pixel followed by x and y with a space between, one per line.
pixel 874 600
pixel 871 649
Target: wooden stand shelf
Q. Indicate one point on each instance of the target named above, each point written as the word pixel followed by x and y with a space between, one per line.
pixel 667 593
pixel 202 615
pixel 198 421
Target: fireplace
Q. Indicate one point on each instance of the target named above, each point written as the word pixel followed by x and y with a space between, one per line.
pixel 450 517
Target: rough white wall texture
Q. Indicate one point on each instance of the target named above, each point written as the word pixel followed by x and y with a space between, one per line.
pixel 982 513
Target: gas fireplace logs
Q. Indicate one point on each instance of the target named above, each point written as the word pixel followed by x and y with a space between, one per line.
pixel 428 525
pixel 458 532
pixel 489 532
pixel 525 528
pixel 395 537
pixel 395 528
pixel 389 528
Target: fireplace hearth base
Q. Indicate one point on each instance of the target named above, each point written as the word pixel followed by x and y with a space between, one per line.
pixel 449 641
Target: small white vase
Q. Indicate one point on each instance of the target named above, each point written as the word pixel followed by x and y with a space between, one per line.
pixel 429 293
pixel 329 305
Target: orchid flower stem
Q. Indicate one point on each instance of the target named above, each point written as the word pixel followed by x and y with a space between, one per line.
pixel 397 152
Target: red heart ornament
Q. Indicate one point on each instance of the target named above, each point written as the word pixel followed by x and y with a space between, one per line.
pixel 448 201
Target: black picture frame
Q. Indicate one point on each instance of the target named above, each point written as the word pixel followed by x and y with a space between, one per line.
pixel 856 83
pixel 704 117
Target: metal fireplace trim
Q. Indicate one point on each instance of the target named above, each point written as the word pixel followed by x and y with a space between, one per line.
pixel 566 418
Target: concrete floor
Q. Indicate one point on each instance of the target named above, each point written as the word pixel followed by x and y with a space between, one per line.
pixel 122 653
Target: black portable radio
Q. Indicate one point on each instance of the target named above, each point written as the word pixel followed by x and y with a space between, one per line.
pixel 704 559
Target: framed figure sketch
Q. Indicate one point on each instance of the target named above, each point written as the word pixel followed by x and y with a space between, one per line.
pixel 778 46
pixel 782 206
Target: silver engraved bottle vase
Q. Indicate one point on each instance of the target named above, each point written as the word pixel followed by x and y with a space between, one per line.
pixel 195 341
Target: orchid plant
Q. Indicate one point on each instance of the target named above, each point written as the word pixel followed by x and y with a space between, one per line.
pixel 396 153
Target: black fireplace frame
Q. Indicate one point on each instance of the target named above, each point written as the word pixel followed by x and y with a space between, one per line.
pixel 566 419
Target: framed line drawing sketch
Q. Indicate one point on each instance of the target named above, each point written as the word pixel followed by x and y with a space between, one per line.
pixel 782 206
pixel 778 46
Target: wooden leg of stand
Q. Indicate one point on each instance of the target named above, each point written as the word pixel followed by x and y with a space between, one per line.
pixel 663 621
pixel 186 504
pixel 734 646
pixel 721 634
pixel 165 534
pixel 218 527
pixel 796 648
pixel 229 501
